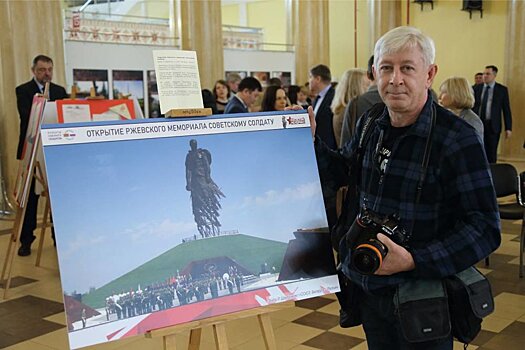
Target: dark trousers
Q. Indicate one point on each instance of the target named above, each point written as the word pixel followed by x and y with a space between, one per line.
pixel 490 142
pixel 382 328
pixel 29 224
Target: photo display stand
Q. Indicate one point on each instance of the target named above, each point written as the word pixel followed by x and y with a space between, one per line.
pixel 46 220
pixel 218 325
pixel 28 168
pixel 233 234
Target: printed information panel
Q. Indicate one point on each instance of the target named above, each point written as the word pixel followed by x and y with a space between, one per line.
pixel 162 222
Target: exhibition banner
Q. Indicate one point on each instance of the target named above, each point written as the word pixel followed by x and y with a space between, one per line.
pixel 163 222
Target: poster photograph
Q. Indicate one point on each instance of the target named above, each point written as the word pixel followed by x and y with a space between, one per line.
pixel 153 96
pixel 285 77
pixel 127 84
pixel 263 77
pixel 163 222
pixel 242 74
pixel 27 158
pixel 85 79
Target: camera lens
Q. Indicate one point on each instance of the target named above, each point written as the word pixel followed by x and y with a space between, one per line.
pixel 368 257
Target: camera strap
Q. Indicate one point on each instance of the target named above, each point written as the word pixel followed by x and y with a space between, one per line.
pixel 424 166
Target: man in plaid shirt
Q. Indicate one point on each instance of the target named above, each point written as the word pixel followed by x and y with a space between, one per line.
pixel 454 225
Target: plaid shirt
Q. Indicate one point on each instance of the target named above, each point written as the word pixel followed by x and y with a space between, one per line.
pixel 456 223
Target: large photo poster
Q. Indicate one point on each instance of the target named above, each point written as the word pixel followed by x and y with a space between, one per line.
pixel 162 222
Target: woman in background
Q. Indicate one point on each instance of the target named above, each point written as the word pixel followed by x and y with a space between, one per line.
pixel 298 95
pixel 221 91
pixel 354 82
pixel 274 99
pixel 456 95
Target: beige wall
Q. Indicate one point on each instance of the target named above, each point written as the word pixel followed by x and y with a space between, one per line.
pixel 230 15
pixel 342 29
pixel 464 46
pixel 151 8
pixel 271 17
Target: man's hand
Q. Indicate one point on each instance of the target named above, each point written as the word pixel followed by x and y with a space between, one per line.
pixel 397 260
pixel 313 124
pixel 508 133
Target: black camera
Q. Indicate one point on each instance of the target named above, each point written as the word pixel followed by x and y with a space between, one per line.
pixel 367 251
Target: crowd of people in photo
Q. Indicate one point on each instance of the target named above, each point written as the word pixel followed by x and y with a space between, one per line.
pixel 174 291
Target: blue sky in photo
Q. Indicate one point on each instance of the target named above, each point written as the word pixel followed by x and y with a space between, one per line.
pixel 117 205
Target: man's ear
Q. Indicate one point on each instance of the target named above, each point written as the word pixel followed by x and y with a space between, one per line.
pixel 374 72
pixel 432 71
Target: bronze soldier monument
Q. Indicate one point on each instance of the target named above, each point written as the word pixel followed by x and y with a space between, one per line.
pixel 205 193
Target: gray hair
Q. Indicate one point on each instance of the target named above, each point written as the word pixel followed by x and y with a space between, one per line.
pixel 402 38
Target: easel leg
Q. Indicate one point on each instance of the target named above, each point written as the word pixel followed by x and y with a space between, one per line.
pixel 267 331
pixel 221 341
pixel 11 250
pixel 195 339
pixel 169 342
pixel 42 232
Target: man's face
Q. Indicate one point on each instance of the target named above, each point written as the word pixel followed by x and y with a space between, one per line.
pixel 478 79
pixel 43 71
pixel 249 97
pixel 403 79
pixel 489 76
pixel 314 82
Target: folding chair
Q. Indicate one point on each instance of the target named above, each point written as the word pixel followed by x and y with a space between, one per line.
pixel 507 183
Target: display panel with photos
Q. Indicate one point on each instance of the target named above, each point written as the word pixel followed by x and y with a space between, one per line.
pixel 153 96
pixel 263 77
pixel 129 83
pixel 150 239
pixel 242 74
pixel 285 77
pixel 85 79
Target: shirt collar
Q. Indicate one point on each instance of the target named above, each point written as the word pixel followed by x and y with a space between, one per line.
pixel 491 84
pixel 240 99
pixel 325 90
pixel 40 86
pixel 422 125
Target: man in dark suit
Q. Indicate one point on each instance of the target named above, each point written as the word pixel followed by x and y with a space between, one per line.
pixel 42 73
pixel 492 99
pixel 319 81
pixel 249 90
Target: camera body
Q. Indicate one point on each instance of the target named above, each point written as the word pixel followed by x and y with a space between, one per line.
pixel 366 250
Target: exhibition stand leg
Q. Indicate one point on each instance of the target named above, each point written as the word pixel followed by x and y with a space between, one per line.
pixel 17 231
pixel 219 328
pixel 11 249
pixel 46 221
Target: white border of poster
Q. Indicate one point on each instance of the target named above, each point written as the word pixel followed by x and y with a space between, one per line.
pixel 130 255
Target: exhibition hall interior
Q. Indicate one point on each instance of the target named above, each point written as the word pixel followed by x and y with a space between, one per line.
pixel 137 246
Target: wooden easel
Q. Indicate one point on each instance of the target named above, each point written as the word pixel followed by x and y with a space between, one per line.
pixel 21 207
pixel 218 324
pixel 46 220
pixel 17 230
